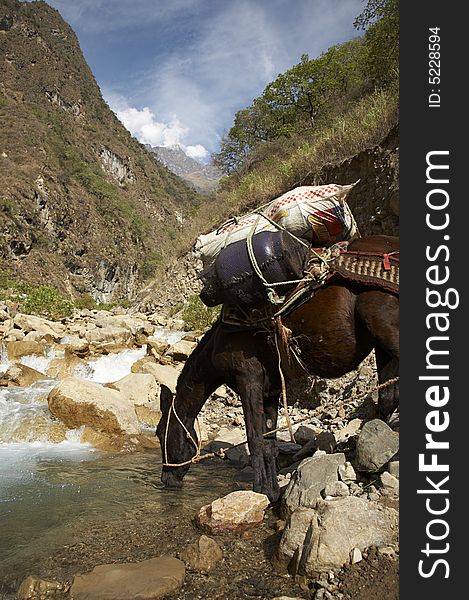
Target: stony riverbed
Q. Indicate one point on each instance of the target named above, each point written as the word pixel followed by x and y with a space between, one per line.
pixel 77 494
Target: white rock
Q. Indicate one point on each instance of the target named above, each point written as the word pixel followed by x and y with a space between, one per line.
pixel 355 556
pixel 310 479
pixel 335 528
pixel 336 489
pixel 164 374
pixel 236 512
pixel 389 482
pixel 351 429
pixel 347 473
pixel 45 327
pixel 77 402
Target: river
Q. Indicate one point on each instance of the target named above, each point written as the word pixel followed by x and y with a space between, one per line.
pixel 66 507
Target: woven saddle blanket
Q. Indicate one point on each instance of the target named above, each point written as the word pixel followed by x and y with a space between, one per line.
pixel 368 268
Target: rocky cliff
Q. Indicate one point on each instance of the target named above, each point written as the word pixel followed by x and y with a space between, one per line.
pixel 203 178
pixel 83 205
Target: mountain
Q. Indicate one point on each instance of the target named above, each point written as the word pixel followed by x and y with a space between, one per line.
pixel 203 178
pixel 83 205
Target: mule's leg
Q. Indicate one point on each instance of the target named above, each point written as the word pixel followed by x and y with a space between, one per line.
pixel 388 368
pixel 379 311
pixel 250 385
pixel 270 443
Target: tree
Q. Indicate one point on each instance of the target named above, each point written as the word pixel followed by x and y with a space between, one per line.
pixel 380 19
pixel 293 101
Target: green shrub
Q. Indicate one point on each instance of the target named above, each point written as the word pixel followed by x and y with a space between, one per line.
pixel 197 316
pixel 42 300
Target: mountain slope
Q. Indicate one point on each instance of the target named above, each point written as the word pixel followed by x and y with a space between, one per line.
pixel 83 205
pixel 203 178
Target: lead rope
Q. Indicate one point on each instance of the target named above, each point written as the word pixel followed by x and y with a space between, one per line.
pixel 282 379
pixel 222 452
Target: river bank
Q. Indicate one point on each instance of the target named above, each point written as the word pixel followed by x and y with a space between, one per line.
pixel 68 504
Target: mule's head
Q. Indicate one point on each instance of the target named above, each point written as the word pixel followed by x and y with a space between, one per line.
pixel 176 445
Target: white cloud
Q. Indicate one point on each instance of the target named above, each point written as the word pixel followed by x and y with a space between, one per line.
pixel 143 125
pixel 205 59
pixel 198 151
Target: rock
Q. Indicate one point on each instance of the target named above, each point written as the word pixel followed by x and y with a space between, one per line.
pixel 77 402
pixel 147 580
pixel 355 556
pixel 132 323
pixel 78 346
pixel 351 429
pixel 37 336
pixel 306 433
pixel 336 489
pixel 33 587
pixel 236 512
pixel 389 482
pixel 106 336
pixel 122 443
pixel 164 374
pixel 203 555
pixel 43 326
pixel 59 368
pixel 388 551
pixel 376 445
pixel 16 335
pixel 310 479
pixel 393 468
pixel 325 441
pixel 334 529
pixel 226 438
pixel 21 376
pixel 180 351
pixel 289 448
pixel 293 538
pixel 158 346
pixel 19 349
pixel 347 473
pixel 141 390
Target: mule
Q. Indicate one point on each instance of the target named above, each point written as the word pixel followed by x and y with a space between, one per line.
pixel 341 324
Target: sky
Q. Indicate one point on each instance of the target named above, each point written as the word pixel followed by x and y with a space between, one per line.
pixel 177 71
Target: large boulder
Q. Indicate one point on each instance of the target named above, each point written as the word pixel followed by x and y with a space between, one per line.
pixel 310 479
pixel 132 323
pixel 164 374
pixel 320 539
pixel 77 402
pixel 148 580
pixel 236 512
pixel 18 375
pixel 376 445
pixel 22 348
pixel 43 326
pixel 109 336
pixel 180 351
pixel 141 390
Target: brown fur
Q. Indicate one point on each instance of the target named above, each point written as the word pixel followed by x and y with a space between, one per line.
pixel 336 330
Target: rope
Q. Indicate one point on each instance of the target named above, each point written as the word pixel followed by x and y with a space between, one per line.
pixel 222 451
pixel 282 379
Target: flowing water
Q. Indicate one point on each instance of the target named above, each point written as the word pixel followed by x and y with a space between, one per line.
pixel 65 507
pixel 57 493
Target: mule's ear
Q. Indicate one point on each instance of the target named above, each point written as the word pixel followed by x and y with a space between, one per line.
pixel 166 398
